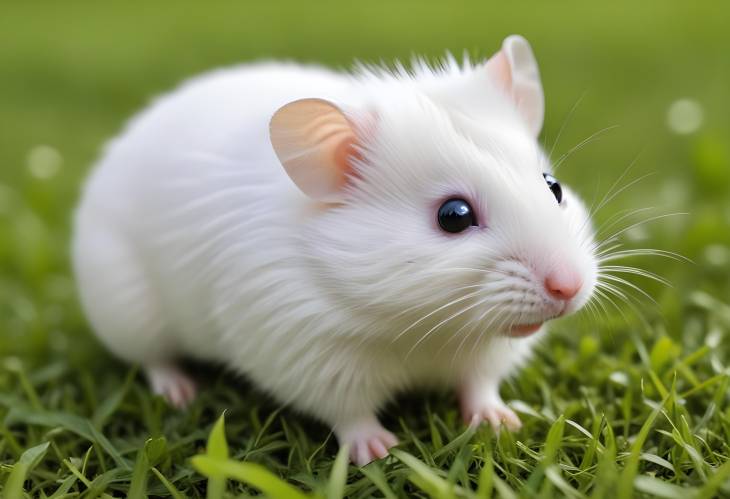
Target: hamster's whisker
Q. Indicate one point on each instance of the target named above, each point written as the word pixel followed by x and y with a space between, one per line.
pixel 614 220
pixel 608 289
pixel 605 289
pixel 437 326
pixel 615 184
pixel 610 198
pixel 465 337
pixel 613 289
pixel 419 305
pixel 645 221
pixel 600 297
pixel 463 326
pixel 627 299
pixel 492 325
pixel 475 325
pixel 610 195
pixel 473 320
pixel 606 297
pixel 451 290
pixel 590 308
pixel 492 321
pixel 621 280
pixel 618 255
pixel 491 271
pixel 466 269
pixel 484 314
pixel 507 324
pixel 407 271
pixel 617 218
pixel 607 249
pixel 566 120
pixel 426 277
pixel 423 318
pixel 625 269
pixel 598 311
pixel 594 136
pixel 605 272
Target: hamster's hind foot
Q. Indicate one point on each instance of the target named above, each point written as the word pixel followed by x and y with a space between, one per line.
pixel 172 383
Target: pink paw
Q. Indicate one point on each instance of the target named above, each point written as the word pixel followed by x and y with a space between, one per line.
pixel 496 413
pixel 173 384
pixel 368 442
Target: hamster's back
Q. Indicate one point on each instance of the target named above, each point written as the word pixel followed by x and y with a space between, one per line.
pixel 221 114
pixel 178 208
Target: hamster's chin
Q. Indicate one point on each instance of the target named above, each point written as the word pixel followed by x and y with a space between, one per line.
pixel 523 330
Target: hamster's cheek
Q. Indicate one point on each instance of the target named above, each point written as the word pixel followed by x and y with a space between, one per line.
pixel 574 207
pixel 387 260
pixel 581 226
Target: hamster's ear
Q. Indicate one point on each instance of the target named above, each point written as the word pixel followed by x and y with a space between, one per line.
pixel 315 143
pixel 514 69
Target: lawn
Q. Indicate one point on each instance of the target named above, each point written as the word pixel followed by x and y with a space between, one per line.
pixel 630 400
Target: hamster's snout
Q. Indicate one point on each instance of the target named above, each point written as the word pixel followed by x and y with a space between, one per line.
pixel 563 283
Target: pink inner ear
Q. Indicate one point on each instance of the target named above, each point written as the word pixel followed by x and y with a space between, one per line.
pixel 315 142
pixel 500 71
pixel 345 152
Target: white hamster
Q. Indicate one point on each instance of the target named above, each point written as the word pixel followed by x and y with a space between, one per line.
pixel 337 238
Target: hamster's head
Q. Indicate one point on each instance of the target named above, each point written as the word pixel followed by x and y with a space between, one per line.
pixel 440 216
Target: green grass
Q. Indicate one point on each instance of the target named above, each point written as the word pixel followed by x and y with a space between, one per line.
pixel 613 406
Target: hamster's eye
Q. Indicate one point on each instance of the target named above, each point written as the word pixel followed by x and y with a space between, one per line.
pixel 554 186
pixel 455 215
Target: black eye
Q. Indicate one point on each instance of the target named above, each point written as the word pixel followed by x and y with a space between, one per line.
pixel 456 215
pixel 554 186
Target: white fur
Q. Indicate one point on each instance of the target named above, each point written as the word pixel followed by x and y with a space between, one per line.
pixel 192 241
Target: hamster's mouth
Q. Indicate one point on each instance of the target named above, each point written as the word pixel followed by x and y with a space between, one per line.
pixel 523 330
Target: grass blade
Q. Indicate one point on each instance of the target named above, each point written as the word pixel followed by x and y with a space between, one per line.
pixel 375 474
pixel 423 476
pixel 253 474
pixel 138 486
pixel 338 476
pixel 28 460
pixel 628 475
pixel 168 485
pixel 218 449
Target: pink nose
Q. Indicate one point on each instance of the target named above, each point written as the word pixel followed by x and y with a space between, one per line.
pixel 563 283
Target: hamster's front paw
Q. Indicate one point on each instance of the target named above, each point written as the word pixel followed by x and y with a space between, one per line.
pixel 172 383
pixel 496 415
pixel 367 440
pixel 477 408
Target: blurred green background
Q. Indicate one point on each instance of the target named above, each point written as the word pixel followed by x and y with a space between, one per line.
pixel 648 81
pixel 72 73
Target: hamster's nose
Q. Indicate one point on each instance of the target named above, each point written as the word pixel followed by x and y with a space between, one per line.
pixel 563 283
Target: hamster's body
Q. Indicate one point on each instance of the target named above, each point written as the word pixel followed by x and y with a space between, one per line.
pixel 192 241
pixel 188 187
